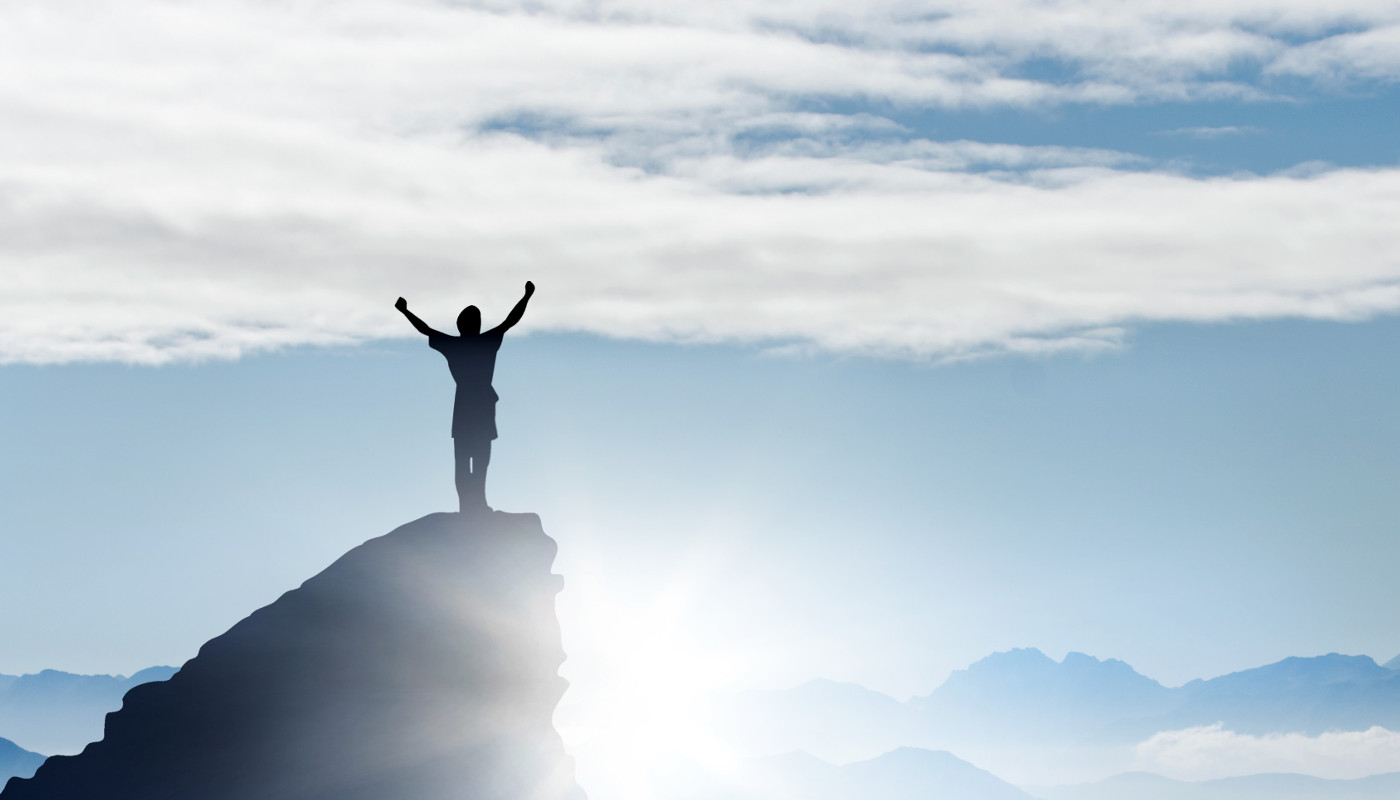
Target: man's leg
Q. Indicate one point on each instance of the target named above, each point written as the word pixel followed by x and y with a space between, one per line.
pixel 481 459
pixel 462 453
pixel 473 457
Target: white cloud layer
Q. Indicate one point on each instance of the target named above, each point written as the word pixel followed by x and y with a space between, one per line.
pixel 1209 752
pixel 203 180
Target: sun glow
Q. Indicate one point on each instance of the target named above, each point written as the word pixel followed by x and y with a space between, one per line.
pixel 640 713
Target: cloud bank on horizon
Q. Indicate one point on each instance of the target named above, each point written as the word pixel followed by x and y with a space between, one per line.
pixel 182 182
pixel 1210 752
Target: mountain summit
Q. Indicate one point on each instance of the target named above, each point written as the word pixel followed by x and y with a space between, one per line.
pixel 1025 695
pixel 422 664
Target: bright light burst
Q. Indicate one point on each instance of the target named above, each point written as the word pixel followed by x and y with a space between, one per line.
pixel 642 713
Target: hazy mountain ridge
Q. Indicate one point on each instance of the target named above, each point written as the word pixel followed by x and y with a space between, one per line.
pixel 1026 695
pixel 15 761
pixel 1022 696
pixel 60 712
pixel 901 774
pixel 1146 786
pixel 803 719
pixel 920 774
pixel 1302 695
pixel 1030 719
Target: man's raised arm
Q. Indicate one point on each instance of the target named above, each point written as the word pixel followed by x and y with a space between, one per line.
pixel 517 312
pixel 402 305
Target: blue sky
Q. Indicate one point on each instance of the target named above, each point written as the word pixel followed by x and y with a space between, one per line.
pixel 867 342
pixel 1213 498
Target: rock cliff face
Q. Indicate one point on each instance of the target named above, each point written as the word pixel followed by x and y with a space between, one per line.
pixel 420 665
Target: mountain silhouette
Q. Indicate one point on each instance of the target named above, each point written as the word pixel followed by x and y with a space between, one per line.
pixel 1025 695
pixel 1296 695
pixel 1146 786
pixel 836 721
pixel 1021 713
pixel 60 712
pixel 16 761
pixel 422 664
pixel 1393 663
pixel 918 774
pixel 906 773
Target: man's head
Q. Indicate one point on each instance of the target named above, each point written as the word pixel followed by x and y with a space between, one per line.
pixel 469 321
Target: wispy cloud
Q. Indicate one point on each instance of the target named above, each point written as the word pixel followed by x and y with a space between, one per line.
pixel 1373 53
pixel 184 181
pixel 1209 752
pixel 1220 132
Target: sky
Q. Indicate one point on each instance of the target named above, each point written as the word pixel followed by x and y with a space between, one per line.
pixel 867 341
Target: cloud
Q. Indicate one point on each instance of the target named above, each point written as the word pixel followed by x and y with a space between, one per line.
pixel 1208 752
pixel 1373 53
pixel 183 182
pixel 1219 132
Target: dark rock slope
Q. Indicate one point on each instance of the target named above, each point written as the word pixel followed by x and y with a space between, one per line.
pixel 420 665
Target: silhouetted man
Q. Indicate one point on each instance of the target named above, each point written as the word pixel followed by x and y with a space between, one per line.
pixel 472 359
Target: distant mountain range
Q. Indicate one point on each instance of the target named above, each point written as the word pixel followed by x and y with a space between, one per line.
pixel 913 774
pixel 1023 697
pixel 16 761
pixel 59 712
pixel 837 721
pixel 918 774
pixel 1303 695
pixel 1145 786
pixel 1000 711
pixel 902 774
